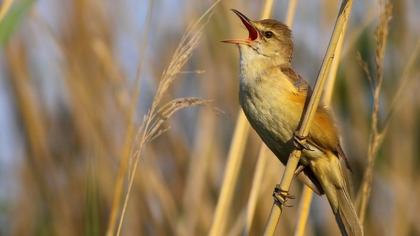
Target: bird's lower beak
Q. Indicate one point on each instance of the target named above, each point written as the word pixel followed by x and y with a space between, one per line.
pixel 252 31
pixel 236 41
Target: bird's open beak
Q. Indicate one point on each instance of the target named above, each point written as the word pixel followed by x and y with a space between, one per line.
pixel 252 31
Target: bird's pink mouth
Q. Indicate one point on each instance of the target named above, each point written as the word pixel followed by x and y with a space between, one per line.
pixel 252 31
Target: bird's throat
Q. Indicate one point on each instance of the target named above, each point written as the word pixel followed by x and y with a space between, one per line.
pixel 253 65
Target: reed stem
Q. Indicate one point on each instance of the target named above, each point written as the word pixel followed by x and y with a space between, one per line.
pixel 306 200
pixel 234 161
pixel 264 151
pixel 309 113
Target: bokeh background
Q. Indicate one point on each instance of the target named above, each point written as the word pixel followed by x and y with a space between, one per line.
pixel 68 72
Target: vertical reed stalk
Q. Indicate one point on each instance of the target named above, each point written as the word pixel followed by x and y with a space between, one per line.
pixel 378 131
pixel 5 6
pixel 377 134
pixel 309 113
pixel 255 188
pixel 232 171
pixel 303 210
pixel 158 114
pixel 234 161
pixel 306 199
pixel 263 154
pixel 130 132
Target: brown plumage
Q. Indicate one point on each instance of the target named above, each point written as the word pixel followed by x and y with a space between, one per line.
pixel 273 97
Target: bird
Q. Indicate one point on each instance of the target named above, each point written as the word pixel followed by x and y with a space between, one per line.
pixel 273 97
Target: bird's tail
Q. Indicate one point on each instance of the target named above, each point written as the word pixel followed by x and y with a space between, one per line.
pixel 346 216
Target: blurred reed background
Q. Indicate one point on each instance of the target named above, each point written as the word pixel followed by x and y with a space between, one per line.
pixel 78 79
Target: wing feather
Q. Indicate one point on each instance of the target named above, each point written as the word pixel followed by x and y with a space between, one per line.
pixel 323 133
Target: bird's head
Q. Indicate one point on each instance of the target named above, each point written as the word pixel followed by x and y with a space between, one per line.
pixel 269 41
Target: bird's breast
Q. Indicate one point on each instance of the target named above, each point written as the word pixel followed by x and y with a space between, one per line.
pixel 270 111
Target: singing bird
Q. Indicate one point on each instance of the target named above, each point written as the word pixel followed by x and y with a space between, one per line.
pixel 273 97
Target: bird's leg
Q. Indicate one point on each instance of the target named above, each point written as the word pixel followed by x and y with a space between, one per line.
pixel 300 142
pixel 281 196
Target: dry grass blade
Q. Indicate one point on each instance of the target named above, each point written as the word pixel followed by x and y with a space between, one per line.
pixel 304 205
pixel 5 6
pixel 153 123
pixel 329 86
pixel 308 115
pixel 28 104
pixel 366 70
pixel 403 84
pixel 381 39
pixel 130 130
pixel 181 55
pixel 268 7
pixel 234 161
pixel 166 111
pixel 378 132
pixel 256 187
pixel 264 151
pixel 303 212
pixel 231 175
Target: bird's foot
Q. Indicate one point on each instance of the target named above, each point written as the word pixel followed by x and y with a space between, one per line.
pixel 281 196
pixel 300 142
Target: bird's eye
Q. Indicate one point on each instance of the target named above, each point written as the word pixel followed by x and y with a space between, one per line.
pixel 268 34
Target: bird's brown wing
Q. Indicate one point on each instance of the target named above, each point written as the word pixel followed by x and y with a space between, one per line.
pixel 323 134
pixel 295 79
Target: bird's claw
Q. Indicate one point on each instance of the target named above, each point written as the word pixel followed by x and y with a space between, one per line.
pixel 300 142
pixel 281 196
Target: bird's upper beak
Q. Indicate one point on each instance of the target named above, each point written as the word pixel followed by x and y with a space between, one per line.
pixel 252 31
